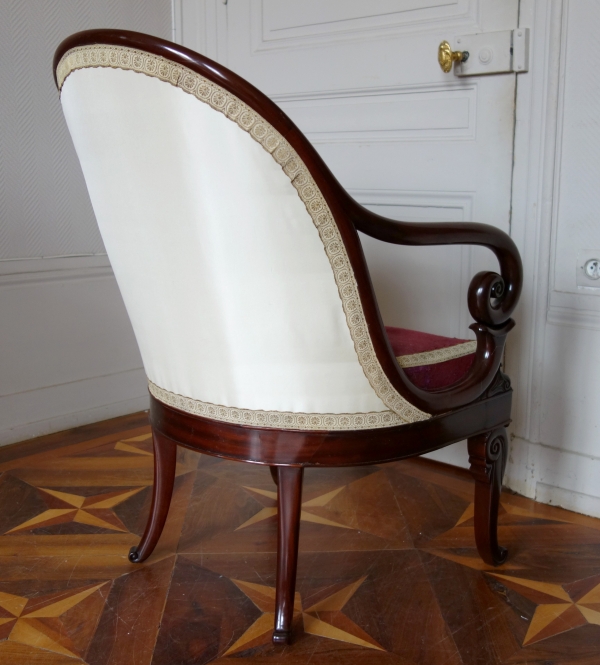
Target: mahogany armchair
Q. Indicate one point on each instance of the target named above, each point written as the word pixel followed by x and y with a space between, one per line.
pixel 237 255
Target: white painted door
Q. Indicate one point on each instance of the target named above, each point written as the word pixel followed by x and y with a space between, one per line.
pixel 362 80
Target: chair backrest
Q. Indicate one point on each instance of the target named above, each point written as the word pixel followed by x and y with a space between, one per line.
pixel 231 266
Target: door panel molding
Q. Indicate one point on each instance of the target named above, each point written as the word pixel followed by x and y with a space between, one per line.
pixel 454 264
pixel 427 201
pixel 400 113
pixel 352 22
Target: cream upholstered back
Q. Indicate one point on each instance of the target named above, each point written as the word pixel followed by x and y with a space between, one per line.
pixel 233 272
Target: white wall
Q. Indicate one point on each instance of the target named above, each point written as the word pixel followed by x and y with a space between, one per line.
pixel 68 355
pixel 555 351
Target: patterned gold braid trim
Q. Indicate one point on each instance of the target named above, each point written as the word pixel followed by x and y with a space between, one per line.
pixel 437 355
pixel 272 141
pixel 278 419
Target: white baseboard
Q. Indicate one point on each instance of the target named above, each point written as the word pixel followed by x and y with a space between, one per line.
pixel 548 475
pixel 55 408
pixel 553 476
pixel 69 356
pixel 575 501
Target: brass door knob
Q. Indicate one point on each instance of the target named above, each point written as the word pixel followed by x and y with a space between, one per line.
pixel 446 56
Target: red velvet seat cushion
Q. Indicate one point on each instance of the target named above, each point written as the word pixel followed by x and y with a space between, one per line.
pixel 430 361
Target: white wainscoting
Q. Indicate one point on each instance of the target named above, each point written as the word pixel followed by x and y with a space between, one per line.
pixel 558 477
pixel 554 351
pixel 67 351
pixel 69 355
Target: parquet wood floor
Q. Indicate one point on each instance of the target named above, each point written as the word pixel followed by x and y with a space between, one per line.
pixel 388 570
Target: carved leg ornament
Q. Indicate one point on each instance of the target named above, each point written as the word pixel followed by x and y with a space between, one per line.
pixel 165 458
pixel 289 498
pixel 487 457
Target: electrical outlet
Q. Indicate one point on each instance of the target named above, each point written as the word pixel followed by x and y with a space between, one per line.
pixel 588 269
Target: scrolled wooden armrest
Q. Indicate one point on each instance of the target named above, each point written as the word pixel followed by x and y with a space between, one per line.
pixel 492 297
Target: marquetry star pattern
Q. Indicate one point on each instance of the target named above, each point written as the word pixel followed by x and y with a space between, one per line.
pixel 306 514
pixel 508 513
pixel 94 510
pixel 323 619
pixel 505 508
pixel 126 447
pixel 560 608
pixel 44 622
pixel 91 510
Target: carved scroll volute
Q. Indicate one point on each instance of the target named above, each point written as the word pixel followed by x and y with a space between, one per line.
pixel 489 300
pixel 487 457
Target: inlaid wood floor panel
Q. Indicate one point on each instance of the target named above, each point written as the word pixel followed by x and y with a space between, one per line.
pixel 388 572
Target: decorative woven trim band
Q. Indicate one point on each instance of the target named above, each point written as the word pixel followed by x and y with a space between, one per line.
pixel 277 419
pixel 272 141
pixel 437 355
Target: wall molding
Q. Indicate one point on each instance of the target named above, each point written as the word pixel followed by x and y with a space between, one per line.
pixel 573 318
pixel 71 357
pixel 543 472
pixel 202 26
pixel 532 208
pixel 578 307
pixel 177 21
pixel 412 103
pixel 462 202
pixel 53 408
pixel 17 272
pixel 554 476
pixel 360 29
pixel 368 92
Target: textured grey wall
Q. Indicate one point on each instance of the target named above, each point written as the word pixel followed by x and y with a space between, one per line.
pixel 68 354
pixel 44 206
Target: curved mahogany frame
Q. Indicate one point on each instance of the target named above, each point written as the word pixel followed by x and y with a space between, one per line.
pixel 284 447
pixel 289 452
pixel 492 298
pixel 476 408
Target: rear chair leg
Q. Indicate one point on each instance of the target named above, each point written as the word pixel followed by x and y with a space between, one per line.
pixel 165 458
pixel 289 498
pixel 487 457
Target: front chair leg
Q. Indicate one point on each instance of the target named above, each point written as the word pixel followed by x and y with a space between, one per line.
pixel 165 460
pixel 289 498
pixel 487 457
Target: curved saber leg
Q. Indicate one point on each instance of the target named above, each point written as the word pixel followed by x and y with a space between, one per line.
pixel 487 456
pixel 289 498
pixel 273 470
pixel 165 458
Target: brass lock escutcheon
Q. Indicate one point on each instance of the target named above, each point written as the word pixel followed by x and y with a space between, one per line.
pixel 446 56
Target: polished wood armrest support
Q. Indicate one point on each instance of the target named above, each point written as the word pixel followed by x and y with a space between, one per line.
pixel 492 297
